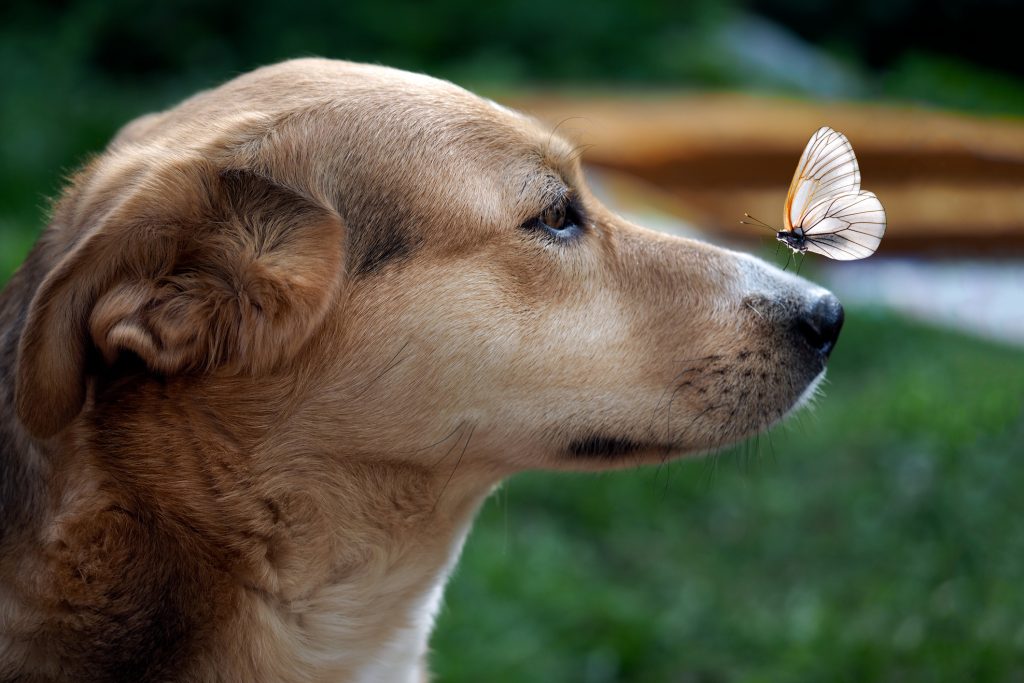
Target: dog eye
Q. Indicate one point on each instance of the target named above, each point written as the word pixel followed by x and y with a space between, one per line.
pixel 561 220
pixel 554 217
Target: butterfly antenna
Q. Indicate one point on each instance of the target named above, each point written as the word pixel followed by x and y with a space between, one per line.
pixel 757 221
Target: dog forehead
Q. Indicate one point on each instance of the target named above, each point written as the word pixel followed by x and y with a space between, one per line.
pixel 389 96
pixel 381 128
pixel 313 114
pixel 389 109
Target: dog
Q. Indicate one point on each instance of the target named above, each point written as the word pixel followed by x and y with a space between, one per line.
pixel 278 343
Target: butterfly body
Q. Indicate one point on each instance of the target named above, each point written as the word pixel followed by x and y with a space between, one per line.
pixel 826 211
pixel 794 239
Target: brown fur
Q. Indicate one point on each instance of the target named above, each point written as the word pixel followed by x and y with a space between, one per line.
pixel 279 342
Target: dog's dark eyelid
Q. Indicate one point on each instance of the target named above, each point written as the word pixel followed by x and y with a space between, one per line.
pixel 573 215
pixel 575 210
pixel 564 209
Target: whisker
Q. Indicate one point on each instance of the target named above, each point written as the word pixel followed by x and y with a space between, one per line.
pixel 457 463
pixel 579 151
pixel 771 445
pixel 654 414
pixel 451 448
pixel 436 443
pixel 395 360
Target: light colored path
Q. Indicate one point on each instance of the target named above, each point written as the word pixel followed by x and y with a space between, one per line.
pixel 980 297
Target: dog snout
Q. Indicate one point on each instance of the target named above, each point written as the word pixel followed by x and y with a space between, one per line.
pixel 820 323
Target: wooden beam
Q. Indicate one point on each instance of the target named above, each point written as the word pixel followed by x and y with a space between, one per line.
pixel 948 181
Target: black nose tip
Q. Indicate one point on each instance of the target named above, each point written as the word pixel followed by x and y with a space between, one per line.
pixel 821 323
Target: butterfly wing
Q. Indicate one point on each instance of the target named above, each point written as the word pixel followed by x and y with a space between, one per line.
pixel 827 168
pixel 845 227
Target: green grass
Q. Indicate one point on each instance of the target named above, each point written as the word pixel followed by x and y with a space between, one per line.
pixel 879 538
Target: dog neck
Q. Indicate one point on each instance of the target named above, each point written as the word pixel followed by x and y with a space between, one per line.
pixel 266 563
pixel 364 610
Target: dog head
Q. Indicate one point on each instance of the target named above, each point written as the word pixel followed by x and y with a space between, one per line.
pixel 377 262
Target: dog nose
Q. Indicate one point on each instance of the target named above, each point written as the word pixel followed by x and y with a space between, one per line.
pixel 820 324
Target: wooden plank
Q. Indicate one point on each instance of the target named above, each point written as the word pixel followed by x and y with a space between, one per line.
pixel 948 181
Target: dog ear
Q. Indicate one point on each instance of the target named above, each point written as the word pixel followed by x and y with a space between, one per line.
pixel 197 271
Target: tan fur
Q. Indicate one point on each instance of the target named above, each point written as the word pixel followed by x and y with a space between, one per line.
pixel 279 342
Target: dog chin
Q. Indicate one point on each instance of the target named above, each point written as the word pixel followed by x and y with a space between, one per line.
pixel 807 397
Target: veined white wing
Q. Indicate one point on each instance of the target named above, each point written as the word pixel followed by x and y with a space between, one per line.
pixel 845 227
pixel 827 168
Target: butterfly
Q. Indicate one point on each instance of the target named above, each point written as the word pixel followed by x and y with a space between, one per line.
pixel 826 211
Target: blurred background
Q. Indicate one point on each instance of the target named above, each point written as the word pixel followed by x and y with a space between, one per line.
pixel 879 537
